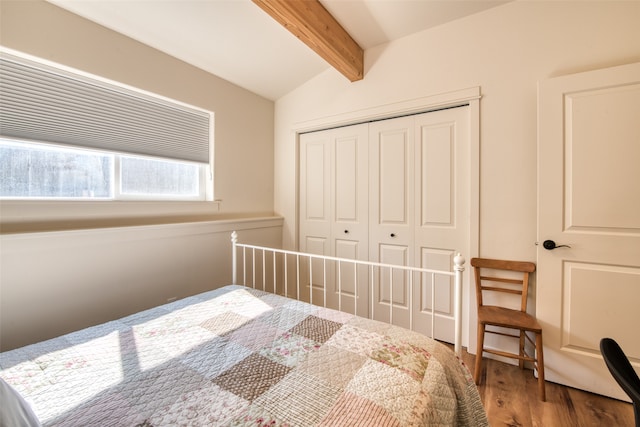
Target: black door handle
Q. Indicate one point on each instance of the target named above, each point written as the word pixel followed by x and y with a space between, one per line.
pixel 550 245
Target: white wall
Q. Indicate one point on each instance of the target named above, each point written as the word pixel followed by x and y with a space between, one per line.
pixel 57 282
pixel 505 51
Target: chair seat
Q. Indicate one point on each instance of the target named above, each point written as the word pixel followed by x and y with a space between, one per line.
pixel 506 317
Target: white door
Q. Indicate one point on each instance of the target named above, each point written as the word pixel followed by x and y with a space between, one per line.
pixel 442 212
pixel 391 211
pixel 589 200
pixel 315 207
pixel 334 210
pixel 350 212
pixel 315 192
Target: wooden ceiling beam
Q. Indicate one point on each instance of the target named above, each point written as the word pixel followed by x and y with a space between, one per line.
pixel 317 28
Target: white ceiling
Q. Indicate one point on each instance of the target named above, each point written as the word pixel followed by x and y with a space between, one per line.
pixel 237 41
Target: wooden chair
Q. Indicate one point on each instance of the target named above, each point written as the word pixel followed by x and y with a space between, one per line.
pixel 500 276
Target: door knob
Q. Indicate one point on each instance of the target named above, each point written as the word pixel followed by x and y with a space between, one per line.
pixel 550 245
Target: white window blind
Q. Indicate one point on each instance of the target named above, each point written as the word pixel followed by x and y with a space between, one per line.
pixel 43 103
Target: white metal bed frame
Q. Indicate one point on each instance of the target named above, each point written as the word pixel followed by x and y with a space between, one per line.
pixel 458 269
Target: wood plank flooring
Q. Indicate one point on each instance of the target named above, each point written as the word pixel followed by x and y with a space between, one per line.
pixel 510 398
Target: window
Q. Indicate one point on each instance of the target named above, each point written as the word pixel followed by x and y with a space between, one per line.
pixel 42 171
pixel 65 135
pixel 146 177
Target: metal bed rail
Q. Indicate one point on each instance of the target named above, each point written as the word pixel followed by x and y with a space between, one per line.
pixel 258 261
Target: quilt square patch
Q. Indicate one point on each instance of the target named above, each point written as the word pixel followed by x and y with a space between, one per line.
pixel 354 411
pixel 408 358
pixel 254 335
pixel 388 387
pixel 373 326
pixel 225 323
pixel 283 319
pixel 208 406
pixel 289 349
pixel 214 357
pixel 332 365
pixel 256 416
pixel 156 388
pixel 336 316
pixel 252 376
pixel 356 340
pixel 316 329
pixel 299 400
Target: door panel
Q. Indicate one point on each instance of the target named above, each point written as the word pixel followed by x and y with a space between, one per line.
pixel 436 170
pixel 393 169
pixel 589 151
pixel 439 289
pixel 442 210
pixel 346 179
pixel 392 286
pixel 601 158
pixel 584 295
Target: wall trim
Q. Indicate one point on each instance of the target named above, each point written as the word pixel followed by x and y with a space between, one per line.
pixel 387 111
pixel 143 232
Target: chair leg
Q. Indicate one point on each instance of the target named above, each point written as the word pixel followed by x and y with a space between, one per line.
pixel 521 350
pixel 479 351
pixel 540 366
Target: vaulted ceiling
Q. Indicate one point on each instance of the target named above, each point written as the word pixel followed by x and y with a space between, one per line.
pixel 239 42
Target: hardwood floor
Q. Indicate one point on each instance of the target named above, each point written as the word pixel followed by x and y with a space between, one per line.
pixel 510 398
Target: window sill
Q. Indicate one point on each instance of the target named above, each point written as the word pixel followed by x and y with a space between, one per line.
pixel 19 216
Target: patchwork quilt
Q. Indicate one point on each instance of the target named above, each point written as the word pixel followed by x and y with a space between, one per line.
pixel 241 357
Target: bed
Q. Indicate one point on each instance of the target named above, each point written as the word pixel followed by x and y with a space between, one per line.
pixel 243 356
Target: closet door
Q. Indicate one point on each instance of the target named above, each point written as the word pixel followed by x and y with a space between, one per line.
pixel 315 192
pixel 315 209
pixel 391 212
pixel 334 210
pixel 350 210
pixel 394 191
pixel 441 230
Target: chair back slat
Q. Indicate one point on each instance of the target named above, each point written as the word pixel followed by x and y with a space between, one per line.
pixel 500 270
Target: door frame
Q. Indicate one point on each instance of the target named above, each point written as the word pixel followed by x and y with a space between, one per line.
pixel 470 97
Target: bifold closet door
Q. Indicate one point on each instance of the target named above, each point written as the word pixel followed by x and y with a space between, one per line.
pixel 419 214
pixel 394 191
pixel 441 228
pixel 391 213
pixel 334 210
pixel 315 208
